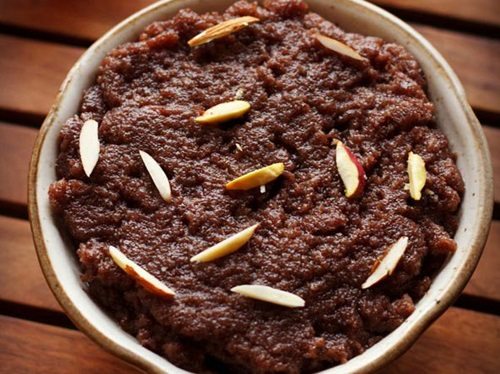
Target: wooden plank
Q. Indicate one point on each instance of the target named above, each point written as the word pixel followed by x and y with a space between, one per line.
pixel 29 347
pixel 493 138
pixel 31 73
pixel 452 344
pixel 478 11
pixel 89 20
pixel 486 277
pixel 16 143
pixel 460 341
pixel 476 61
pixel 22 279
pixel 86 20
pixel 23 282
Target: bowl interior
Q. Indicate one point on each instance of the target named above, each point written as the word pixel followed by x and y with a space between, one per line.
pixel 454 117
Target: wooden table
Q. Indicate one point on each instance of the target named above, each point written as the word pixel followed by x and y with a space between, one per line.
pixel 41 39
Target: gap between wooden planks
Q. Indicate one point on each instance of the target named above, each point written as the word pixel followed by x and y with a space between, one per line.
pixel 448 346
pixel 88 20
pixel 32 71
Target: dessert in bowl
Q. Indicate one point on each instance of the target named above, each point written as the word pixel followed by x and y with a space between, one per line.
pixel 259 190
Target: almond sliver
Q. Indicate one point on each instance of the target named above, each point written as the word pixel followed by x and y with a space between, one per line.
pixel 257 177
pixel 339 47
pixel 270 295
pixel 158 176
pixel 144 278
pixel 222 29
pixel 224 112
pixel 386 267
pixel 89 146
pixel 225 247
pixel 417 175
pixel 350 170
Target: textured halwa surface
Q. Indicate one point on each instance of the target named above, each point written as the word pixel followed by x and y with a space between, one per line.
pixel 312 240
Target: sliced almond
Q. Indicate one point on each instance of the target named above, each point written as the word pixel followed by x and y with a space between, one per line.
pixel 387 265
pixel 222 29
pixel 270 295
pixel 263 188
pixel 158 176
pixel 239 148
pixel 339 47
pixel 224 112
pixel 257 177
pixel 350 169
pixel 89 146
pixel 145 279
pixel 225 247
pixel 417 175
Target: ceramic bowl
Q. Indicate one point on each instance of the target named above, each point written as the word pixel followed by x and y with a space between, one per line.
pixel 454 117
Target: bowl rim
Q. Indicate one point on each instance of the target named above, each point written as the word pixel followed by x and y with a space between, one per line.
pixel 396 350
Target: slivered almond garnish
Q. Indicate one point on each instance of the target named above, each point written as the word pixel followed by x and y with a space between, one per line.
pixel 270 295
pixel 350 170
pixel 417 175
pixel 224 112
pixel 222 29
pixel 89 146
pixel 225 247
pixel 158 176
pixel 339 47
pixel 386 266
pixel 145 279
pixel 257 177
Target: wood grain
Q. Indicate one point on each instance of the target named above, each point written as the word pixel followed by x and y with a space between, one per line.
pixel 88 20
pixel 476 61
pixel 493 137
pixel 16 143
pixel 460 341
pixel 485 281
pixel 32 71
pixel 480 11
pixel 22 279
pixel 28 347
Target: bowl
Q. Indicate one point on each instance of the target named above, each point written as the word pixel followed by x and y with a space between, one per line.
pixel 454 117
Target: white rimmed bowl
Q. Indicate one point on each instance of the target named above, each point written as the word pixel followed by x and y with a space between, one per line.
pixel 454 117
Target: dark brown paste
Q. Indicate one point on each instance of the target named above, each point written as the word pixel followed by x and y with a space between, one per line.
pixel 312 241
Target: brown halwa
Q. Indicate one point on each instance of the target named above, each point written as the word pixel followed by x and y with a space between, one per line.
pixel 312 240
